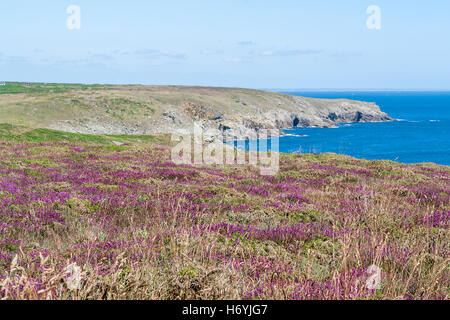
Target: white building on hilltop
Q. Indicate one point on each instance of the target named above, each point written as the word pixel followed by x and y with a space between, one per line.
pixel 2 83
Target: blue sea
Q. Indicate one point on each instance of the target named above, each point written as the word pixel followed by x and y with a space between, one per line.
pixel 421 134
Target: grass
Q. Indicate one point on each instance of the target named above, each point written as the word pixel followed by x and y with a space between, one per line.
pixel 24 134
pixel 19 87
pixel 83 218
pixel 53 105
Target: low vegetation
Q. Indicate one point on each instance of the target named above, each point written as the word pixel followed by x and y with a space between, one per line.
pixel 25 134
pixel 85 217
pixel 20 87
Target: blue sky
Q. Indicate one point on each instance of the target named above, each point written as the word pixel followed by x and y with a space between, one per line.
pixel 246 43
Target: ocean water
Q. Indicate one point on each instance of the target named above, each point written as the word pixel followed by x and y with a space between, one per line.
pixel 421 134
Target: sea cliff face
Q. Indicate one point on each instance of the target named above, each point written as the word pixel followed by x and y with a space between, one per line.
pixel 303 112
pixel 271 111
pixel 229 112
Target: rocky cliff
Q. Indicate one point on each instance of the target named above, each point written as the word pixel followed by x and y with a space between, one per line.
pixel 300 112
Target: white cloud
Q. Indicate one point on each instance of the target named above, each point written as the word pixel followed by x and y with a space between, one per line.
pixel 289 53
pixel 211 52
pixel 156 54
pixel 236 60
pixel 245 43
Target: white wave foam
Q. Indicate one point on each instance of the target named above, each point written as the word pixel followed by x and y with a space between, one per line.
pixel 295 135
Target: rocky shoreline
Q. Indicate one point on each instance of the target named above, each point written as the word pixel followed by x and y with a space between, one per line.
pixel 216 124
pixel 240 113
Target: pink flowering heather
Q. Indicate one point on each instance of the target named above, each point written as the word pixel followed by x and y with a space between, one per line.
pixel 91 221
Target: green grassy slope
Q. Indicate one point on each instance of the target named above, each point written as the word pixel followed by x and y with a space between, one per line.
pixel 20 87
pixel 24 134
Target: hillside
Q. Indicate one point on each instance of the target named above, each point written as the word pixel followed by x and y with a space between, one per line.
pixel 103 109
pixel 82 218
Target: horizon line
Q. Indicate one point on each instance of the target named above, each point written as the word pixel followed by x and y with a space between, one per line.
pixel 352 89
pixel 243 87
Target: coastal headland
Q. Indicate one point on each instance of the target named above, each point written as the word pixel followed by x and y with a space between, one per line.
pixel 149 110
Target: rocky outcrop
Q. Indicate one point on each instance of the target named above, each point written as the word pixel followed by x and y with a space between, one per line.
pixel 200 112
pixel 328 113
